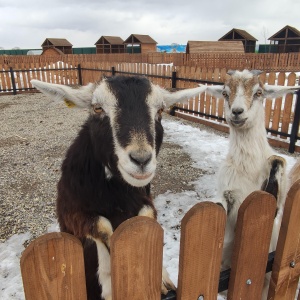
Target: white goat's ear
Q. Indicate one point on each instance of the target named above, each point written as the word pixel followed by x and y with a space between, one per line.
pixel 215 90
pixel 80 97
pixel 275 91
pixel 183 95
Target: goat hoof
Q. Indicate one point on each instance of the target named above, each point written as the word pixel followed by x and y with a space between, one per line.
pixel 230 197
pixel 167 284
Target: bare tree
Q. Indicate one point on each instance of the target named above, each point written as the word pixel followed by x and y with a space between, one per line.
pixel 265 33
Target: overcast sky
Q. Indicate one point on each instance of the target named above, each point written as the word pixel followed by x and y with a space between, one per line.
pixel 27 23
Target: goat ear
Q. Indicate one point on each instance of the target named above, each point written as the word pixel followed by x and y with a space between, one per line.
pixel 275 91
pixel 215 90
pixel 256 72
pixel 80 97
pixel 181 96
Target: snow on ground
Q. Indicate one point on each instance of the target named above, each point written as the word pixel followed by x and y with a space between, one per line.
pixel 207 151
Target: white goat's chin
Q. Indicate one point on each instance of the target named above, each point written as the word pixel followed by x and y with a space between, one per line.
pixel 238 123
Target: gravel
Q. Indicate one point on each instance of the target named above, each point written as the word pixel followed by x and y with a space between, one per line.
pixel 35 134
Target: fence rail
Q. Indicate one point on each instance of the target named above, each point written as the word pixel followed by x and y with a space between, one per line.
pixel 279 62
pixel 52 266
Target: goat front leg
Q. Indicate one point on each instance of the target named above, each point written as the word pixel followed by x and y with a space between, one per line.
pixel 275 184
pixel 167 284
pixel 102 238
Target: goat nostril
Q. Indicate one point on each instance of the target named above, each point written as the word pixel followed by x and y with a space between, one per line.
pixel 140 159
pixel 237 111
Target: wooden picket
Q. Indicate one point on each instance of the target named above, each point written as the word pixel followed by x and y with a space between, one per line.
pixel 52 265
pixel 52 268
pixel 136 260
pixel 286 267
pixel 202 235
pixel 251 246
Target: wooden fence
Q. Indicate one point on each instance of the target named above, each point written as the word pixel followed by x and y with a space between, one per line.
pixel 282 114
pixel 268 62
pixel 52 266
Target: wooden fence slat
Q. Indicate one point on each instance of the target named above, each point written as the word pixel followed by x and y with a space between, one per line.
pixel 286 267
pixel 277 117
pixel 52 267
pixel 288 102
pixel 201 244
pixel 268 103
pixel 136 260
pixel 251 246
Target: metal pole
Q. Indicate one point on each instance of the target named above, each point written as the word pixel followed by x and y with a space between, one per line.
pixel 295 125
pixel 79 74
pixel 12 76
pixel 173 80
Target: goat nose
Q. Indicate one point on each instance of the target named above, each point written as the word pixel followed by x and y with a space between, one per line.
pixel 237 111
pixel 140 159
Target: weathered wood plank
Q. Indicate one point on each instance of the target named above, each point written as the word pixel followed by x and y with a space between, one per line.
pixel 201 244
pixel 251 246
pixel 286 267
pixel 136 260
pixel 52 267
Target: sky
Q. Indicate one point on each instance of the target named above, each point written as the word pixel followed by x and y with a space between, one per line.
pixel 201 143
pixel 26 24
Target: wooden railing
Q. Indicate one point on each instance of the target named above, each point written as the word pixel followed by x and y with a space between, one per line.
pixel 283 62
pixel 53 268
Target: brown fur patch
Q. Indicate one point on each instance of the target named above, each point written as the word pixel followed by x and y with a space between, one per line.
pixel 247 84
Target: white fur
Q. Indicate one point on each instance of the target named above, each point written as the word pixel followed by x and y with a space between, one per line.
pixel 104 269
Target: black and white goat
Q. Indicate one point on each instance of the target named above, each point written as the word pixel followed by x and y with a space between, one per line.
pixel 107 170
pixel 251 164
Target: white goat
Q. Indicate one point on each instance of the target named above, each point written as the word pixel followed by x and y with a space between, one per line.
pixel 251 164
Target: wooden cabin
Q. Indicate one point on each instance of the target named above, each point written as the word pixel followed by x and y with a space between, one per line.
pixel 52 52
pixel 285 40
pixel 246 38
pixel 62 45
pixel 110 44
pixel 197 47
pixel 139 43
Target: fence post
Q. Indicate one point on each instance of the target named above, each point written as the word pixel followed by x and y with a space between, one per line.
pixel 136 259
pixel 295 125
pixel 251 246
pixel 13 82
pixel 52 267
pixel 174 80
pixel 201 243
pixel 79 74
pixel 113 71
pixel 286 267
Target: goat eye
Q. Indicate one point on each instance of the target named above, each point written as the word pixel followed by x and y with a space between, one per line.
pixel 258 93
pixel 224 93
pixel 160 111
pixel 98 109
